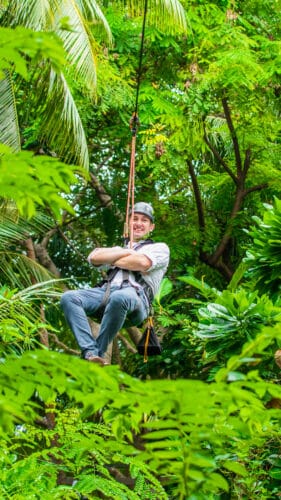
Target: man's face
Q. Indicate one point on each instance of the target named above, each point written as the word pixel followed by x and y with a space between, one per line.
pixel 141 225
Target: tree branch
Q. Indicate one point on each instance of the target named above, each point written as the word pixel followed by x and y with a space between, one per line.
pixel 134 333
pixel 31 253
pixel 45 260
pixel 258 187
pixel 219 158
pixel 217 254
pixel 67 240
pixel 126 343
pixel 62 345
pixel 104 198
pixel 233 135
pixel 197 194
pixel 219 265
pixel 247 161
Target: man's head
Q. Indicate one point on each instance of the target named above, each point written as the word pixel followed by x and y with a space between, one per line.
pixel 142 222
pixel 144 208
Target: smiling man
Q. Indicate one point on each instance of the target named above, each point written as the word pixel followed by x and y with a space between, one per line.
pixel 133 278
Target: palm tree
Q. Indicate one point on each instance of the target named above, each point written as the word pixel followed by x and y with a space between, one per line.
pixel 24 284
pixel 49 90
pixel 49 93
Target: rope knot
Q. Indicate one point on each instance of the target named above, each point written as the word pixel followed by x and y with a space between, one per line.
pixel 134 123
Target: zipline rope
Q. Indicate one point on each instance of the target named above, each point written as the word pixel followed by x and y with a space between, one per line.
pixel 134 124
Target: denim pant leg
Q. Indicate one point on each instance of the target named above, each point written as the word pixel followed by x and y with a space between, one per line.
pixel 122 302
pixel 76 305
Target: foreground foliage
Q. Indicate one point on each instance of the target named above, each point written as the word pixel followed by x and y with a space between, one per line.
pixel 83 429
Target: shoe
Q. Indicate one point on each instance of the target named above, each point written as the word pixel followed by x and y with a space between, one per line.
pixel 95 359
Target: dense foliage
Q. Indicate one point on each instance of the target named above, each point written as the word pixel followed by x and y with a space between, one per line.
pixel 87 431
pixel 264 258
pixel 203 419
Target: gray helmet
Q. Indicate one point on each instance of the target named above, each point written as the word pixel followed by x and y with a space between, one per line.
pixel 144 208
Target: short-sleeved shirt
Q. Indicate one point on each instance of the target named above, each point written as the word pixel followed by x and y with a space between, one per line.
pixel 159 254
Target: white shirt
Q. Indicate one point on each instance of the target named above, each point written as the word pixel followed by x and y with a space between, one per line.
pixel 159 254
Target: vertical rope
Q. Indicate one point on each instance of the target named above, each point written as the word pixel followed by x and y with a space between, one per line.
pixel 134 124
pixel 133 190
pixel 131 195
pixel 141 56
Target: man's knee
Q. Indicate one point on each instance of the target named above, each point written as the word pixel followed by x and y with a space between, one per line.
pixel 123 300
pixel 67 298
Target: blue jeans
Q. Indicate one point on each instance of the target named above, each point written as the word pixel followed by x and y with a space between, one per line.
pixel 122 302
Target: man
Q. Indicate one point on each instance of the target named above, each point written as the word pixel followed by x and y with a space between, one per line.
pixel 136 274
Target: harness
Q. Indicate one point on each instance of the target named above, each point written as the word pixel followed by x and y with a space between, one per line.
pixel 125 278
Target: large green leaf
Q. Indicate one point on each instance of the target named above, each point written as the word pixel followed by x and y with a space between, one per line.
pixel 263 256
pixel 33 181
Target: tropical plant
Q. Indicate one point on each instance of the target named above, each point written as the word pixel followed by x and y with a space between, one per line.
pixel 33 181
pixel 178 439
pixel 69 428
pixel 47 84
pixel 263 255
pixel 235 318
pixel 21 319
pixel 78 25
pixel 40 182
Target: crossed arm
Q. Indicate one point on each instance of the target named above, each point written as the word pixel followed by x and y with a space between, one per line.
pixel 125 258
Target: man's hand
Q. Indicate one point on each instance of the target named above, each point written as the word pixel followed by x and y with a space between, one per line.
pixel 134 262
pixel 125 258
pixel 101 256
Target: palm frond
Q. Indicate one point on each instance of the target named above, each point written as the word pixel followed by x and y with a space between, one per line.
pixel 167 15
pixel 71 21
pixel 78 43
pixel 19 271
pixel 14 304
pixel 8 211
pixel 94 15
pixel 218 133
pixel 14 229
pixel 33 14
pixel 45 290
pixel 61 125
pixel 170 15
pixel 9 127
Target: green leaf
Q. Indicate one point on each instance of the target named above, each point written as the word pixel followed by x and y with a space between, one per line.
pixel 166 287
pixel 234 466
